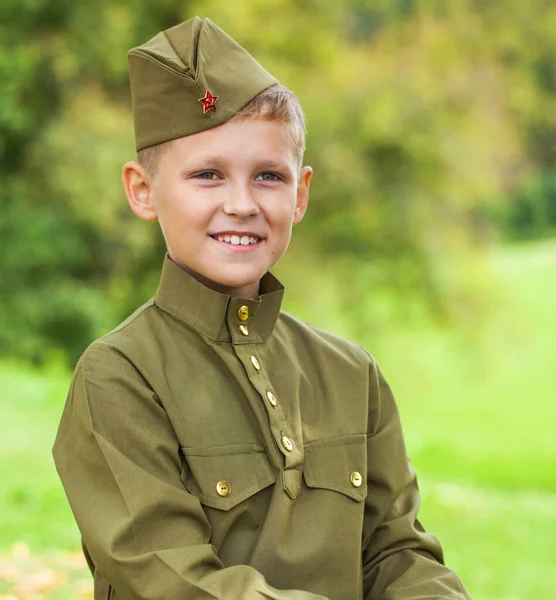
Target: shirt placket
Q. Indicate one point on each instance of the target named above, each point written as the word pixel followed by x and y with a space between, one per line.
pixel 249 347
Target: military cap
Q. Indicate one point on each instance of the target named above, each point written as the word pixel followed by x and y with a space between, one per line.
pixel 189 78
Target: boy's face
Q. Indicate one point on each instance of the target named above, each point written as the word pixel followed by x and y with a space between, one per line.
pixel 238 182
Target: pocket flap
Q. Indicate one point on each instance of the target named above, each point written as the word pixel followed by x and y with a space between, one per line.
pixel 223 476
pixel 338 464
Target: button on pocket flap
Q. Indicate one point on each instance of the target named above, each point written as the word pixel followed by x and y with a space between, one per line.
pixel 338 464
pixel 224 476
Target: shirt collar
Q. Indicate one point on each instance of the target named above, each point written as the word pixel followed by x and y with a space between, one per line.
pixel 217 315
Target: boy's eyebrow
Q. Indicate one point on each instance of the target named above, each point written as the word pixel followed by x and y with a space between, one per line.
pixel 271 164
pixel 203 162
pixel 208 162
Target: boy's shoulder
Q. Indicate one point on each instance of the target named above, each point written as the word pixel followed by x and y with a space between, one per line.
pixel 119 342
pixel 319 340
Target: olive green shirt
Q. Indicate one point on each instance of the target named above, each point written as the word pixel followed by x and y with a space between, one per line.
pixel 214 447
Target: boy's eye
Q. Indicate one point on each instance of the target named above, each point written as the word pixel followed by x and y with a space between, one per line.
pixel 269 177
pixel 206 175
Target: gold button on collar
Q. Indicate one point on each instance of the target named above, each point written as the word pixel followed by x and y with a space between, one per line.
pixel 244 329
pixel 255 363
pixel 223 488
pixel 271 398
pixel 356 479
pixel 243 313
pixel 286 442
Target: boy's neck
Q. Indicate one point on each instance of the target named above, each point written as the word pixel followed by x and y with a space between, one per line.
pixel 251 290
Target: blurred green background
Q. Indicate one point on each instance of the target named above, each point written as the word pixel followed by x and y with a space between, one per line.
pixel 430 239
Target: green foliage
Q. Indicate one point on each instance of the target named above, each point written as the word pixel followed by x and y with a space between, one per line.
pixel 431 131
pixel 533 210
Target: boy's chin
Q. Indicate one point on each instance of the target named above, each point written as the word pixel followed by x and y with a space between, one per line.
pixel 234 284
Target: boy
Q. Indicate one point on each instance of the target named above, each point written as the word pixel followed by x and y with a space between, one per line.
pixel 212 446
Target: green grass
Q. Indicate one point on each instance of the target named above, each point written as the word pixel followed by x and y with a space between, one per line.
pixel 32 503
pixel 479 417
pixel 477 407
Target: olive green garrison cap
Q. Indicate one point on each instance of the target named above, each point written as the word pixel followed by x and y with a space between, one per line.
pixel 189 78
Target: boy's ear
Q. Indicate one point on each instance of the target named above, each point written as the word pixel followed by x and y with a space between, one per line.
pixel 303 184
pixel 137 186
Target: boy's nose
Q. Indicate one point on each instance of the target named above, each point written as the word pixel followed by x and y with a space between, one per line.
pixel 240 202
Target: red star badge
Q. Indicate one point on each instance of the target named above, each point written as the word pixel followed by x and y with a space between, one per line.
pixel 208 102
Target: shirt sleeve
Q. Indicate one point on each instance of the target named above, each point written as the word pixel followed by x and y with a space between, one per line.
pixel 119 460
pixel 400 560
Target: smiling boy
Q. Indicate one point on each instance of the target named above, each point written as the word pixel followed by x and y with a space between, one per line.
pixel 226 199
pixel 213 446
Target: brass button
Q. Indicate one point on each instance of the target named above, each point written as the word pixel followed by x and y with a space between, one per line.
pixel 243 313
pixel 255 363
pixel 356 479
pixel 223 488
pixel 244 329
pixel 271 398
pixel 286 442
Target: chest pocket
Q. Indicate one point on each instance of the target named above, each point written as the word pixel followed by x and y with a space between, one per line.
pixel 223 476
pixel 338 464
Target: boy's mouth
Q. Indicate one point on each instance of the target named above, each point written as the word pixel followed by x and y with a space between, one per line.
pixel 235 239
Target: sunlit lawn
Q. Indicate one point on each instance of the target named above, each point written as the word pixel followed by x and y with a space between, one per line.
pixel 480 426
pixel 479 419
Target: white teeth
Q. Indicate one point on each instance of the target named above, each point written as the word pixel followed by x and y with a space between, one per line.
pixel 237 240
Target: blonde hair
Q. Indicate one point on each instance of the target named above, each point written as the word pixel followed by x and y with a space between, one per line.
pixel 276 103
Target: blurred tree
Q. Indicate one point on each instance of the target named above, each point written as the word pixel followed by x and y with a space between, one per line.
pixel 431 129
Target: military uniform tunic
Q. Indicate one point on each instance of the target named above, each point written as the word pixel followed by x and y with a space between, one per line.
pixel 214 447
